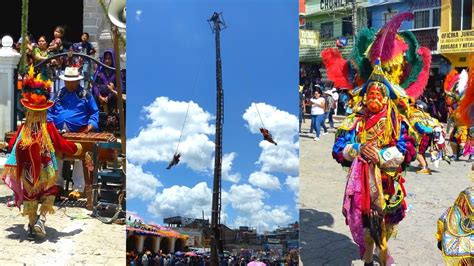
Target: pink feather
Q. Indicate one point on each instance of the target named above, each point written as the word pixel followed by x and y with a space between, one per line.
pixel 415 89
pixel 337 68
pixel 384 44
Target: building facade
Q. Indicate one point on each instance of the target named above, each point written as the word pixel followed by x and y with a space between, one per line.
pixel 332 22
pixel 456 31
pixel 425 26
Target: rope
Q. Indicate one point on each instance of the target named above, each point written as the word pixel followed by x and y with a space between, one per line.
pixel 189 103
pixel 261 120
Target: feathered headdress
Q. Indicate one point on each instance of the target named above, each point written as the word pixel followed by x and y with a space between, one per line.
pixel 403 63
pixel 450 80
pixel 36 92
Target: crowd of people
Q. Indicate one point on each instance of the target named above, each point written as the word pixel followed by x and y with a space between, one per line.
pixel 98 80
pixel 393 116
pixel 149 258
pixel 33 170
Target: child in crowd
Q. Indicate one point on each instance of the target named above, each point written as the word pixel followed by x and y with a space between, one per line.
pixel 56 45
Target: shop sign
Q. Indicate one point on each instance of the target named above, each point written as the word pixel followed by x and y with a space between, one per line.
pixel 309 38
pixel 273 241
pixel 421 4
pixel 333 4
pixel 457 41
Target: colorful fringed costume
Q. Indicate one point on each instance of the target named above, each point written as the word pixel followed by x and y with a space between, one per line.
pixel 378 141
pixel 30 169
pixel 454 87
pixel 455 230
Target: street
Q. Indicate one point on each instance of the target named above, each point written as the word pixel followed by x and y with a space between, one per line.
pixel 324 237
pixel 73 238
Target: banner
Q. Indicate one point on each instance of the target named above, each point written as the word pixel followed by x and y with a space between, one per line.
pixel 457 42
pixel 309 38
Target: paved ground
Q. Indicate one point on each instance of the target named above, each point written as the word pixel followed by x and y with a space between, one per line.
pixel 73 238
pixel 324 237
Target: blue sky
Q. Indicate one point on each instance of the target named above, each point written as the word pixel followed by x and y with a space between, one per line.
pixel 171 61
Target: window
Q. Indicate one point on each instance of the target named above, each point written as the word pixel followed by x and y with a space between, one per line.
pixel 422 19
pixel 309 25
pixel 346 26
pixel 326 30
pixel 461 14
pixel 387 16
pixel 436 17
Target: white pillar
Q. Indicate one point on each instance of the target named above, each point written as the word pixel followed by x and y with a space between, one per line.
pixel 9 59
pixel 173 242
pixel 157 244
pixel 140 242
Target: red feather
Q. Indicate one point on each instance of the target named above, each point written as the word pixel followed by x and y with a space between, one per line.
pixel 466 105
pixel 384 44
pixel 337 68
pixel 416 88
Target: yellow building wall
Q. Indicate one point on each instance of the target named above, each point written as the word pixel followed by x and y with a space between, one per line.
pixel 456 59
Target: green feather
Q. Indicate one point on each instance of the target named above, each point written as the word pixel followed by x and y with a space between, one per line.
pixel 365 37
pixel 412 57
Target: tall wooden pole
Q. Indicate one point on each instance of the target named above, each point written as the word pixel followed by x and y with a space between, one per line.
pixel 118 77
pixel 216 243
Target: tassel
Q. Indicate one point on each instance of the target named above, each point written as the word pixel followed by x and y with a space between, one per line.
pixel 35 130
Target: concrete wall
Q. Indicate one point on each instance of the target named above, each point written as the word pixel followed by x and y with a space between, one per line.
pixel 98 27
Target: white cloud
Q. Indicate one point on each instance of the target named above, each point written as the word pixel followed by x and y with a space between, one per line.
pixel 158 140
pixel 293 182
pixel 264 180
pixel 245 198
pixel 248 202
pixel 284 128
pixel 141 184
pixel 266 219
pixel 227 161
pixel 138 14
pixel 183 201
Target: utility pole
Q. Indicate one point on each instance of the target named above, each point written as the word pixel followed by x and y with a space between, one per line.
pixel 216 242
pixel 354 19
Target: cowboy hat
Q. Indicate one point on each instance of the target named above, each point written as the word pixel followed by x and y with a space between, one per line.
pixel 71 74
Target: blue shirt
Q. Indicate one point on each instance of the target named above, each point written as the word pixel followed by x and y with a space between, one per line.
pixel 74 110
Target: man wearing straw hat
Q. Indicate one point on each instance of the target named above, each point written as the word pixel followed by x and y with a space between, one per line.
pixel 30 170
pixel 75 110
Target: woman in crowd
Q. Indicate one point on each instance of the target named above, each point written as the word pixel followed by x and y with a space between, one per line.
pixel 105 92
pixel 40 52
pixel 317 113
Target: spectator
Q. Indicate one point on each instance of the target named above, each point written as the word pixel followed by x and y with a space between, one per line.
pixel 330 106
pixel 105 93
pixel 317 113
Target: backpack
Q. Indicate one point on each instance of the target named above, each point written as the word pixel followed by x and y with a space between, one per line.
pixel 330 102
pixel 327 105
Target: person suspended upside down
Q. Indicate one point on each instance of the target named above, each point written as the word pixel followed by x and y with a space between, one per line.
pixel 175 161
pixel 267 136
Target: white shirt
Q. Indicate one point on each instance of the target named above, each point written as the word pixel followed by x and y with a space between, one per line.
pixel 317 110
